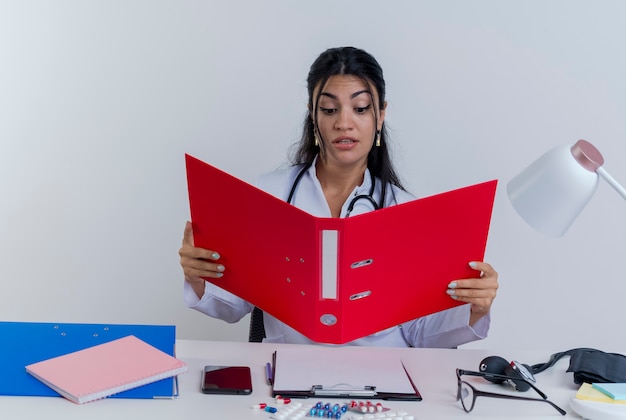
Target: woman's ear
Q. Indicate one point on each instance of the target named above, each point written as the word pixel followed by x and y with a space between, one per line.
pixel 381 119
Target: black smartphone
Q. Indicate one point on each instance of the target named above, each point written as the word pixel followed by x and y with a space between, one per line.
pixel 227 380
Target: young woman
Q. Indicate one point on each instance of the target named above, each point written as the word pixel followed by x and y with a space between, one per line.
pixel 342 167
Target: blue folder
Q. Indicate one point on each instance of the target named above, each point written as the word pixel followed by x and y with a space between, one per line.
pixel 23 343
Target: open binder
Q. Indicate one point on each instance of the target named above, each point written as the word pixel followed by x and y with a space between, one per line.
pixel 336 280
pixel 342 372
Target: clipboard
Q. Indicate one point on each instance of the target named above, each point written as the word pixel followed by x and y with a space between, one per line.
pixel 336 280
pixel 341 372
pixel 24 343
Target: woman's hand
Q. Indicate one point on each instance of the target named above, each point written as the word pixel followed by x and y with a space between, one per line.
pixel 198 262
pixel 479 292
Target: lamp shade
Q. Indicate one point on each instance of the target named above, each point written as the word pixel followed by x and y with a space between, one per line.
pixel 553 190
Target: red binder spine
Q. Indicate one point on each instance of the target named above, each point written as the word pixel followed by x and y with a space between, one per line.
pixel 330 238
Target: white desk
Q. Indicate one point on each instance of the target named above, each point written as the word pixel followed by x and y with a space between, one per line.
pixel 432 370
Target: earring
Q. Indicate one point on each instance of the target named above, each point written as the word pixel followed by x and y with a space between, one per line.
pixel 317 141
pixel 378 139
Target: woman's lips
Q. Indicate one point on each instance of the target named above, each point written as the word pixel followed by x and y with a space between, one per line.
pixel 345 143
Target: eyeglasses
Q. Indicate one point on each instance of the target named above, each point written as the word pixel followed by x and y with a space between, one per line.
pixel 468 394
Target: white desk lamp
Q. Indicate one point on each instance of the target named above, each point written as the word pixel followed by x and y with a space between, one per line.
pixel 554 189
pixel 549 195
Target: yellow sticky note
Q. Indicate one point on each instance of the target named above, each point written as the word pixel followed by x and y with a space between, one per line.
pixel 589 393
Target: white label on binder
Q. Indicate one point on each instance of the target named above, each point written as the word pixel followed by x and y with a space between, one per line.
pixel 329 263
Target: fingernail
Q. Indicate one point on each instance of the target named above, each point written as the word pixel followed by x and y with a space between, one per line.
pixel 220 268
pixel 450 292
pixel 452 285
pixel 215 256
pixel 472 264
pixel 218 275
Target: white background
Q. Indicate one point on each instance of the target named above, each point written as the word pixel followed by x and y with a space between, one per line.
pixel 99 101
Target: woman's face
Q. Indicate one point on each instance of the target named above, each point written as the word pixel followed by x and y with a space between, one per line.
pixel 347 119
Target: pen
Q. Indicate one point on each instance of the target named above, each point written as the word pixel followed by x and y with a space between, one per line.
pixel 268 374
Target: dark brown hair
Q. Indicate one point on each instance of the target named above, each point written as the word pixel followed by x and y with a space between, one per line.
pixel 355 62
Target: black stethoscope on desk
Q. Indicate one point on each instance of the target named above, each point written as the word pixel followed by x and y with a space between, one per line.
pixel 369 197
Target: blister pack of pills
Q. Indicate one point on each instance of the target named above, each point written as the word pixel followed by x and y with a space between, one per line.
pixel 353 410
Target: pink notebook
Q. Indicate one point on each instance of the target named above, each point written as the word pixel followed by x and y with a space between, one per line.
pixel 106 369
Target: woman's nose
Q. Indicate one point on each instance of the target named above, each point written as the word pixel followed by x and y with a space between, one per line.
pixel 344 120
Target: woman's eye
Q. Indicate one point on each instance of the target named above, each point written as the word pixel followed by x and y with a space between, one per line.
pixel 362 109
pixel 328 110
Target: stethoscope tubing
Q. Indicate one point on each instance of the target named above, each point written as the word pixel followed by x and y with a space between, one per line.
pixel 369 197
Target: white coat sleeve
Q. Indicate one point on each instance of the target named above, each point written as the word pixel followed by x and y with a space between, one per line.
pixel 446 329
pixel 217 303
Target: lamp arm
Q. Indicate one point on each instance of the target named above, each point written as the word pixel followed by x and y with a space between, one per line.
pixel 612 182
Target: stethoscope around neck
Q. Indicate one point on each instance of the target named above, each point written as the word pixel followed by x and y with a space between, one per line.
pixel 369 197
